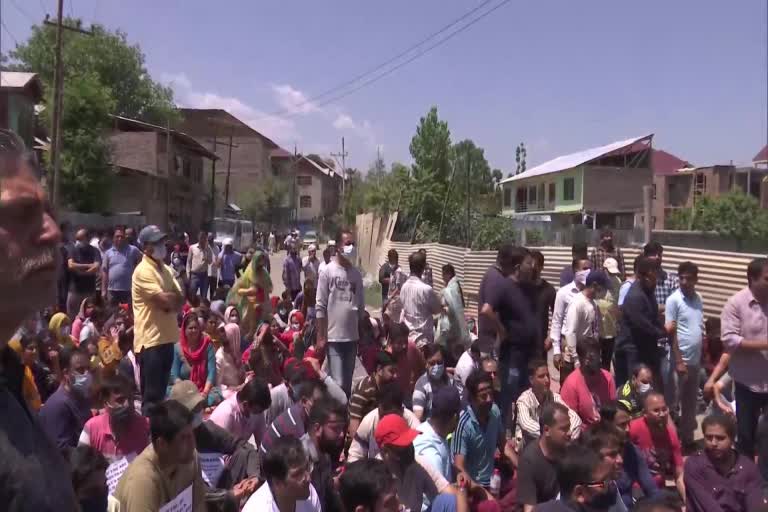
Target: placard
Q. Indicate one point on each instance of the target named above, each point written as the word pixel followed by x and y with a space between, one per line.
pixel 116 470
pixel 181 503
pixel 211 465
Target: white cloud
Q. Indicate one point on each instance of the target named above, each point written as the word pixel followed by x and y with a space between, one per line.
pixel 175 80
pixel 293 100
pixel 343 122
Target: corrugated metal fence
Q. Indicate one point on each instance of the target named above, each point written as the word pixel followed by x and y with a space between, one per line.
pixel 721 274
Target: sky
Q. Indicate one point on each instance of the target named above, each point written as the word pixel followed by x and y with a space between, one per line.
pixel 559 75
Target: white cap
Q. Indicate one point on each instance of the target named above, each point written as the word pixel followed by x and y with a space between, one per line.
pixel 228 241
pixel 312 247
pixel 332 243
pixel 611 265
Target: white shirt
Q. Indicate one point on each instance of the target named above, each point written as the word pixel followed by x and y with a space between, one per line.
pixel 198 258
pixel 465 366
pixel 562 300
pixel 420 303
pixel 582 321
pixel 321 268
pixel 364 443
pixel 311 268
pixel 213 271
pixel 263 501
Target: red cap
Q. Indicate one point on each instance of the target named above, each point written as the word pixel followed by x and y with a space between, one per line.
pixel 393 430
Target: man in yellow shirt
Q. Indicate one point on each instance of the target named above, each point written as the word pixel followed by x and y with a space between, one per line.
pixel 157 299
pixel 167 471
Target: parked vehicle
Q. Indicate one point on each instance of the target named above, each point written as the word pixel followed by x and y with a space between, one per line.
pixel 239 230
pixel 310 238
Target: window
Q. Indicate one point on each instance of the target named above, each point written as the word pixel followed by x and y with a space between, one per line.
pixel 507 196
pixel 532 194
pixel 304 181
pixel 552 192
pixel 305 201
pixel 569 189
pixel 653 188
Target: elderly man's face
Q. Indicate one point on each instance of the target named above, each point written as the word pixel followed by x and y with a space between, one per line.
pixel 28 240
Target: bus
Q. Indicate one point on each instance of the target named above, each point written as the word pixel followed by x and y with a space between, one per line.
pixel 239 230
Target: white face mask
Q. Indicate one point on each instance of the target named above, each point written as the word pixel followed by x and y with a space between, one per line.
pixel 580 277
pixel 350 253
pixel 295 327
pixel 159 253
pixel 643 387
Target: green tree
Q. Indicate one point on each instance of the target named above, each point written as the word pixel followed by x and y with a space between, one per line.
pixel 354 197
pixel 266 202
pixel 385 191
pixel 520 155
pixel 735 215
pixel 118 65
pixel 85 153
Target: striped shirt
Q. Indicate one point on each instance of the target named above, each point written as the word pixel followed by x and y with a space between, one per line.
pixel 478 444
pixel 420 303
pixel 290 423
pixel 363 398
pixel 424 389
pixel 666 284
pixel 528 409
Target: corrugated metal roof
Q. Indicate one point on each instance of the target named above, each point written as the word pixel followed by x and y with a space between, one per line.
pixel 122 122
pixel 564 162
pixel 15 79
pixel 762 156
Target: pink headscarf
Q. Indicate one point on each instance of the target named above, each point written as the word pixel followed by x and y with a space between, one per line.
pixel 233 339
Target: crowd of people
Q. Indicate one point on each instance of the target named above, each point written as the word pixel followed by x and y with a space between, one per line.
pixel 159 376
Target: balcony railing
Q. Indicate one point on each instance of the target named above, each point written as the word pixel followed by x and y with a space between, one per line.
pixel 534 207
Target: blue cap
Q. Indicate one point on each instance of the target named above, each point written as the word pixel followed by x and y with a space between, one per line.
pixel 446 401
pixel 151 235
pixel 597 277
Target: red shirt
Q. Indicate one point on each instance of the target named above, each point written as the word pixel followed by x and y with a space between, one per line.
pixel 98 433
pixel 661 449
pixel 585 399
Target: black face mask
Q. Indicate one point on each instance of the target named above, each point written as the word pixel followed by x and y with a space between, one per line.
pixel 121 414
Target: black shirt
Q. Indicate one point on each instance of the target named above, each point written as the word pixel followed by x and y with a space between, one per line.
pixel 537 477
pixel 514 310
pixel 33 475
pixel 542 295
pixel 640 323
pixel 81 283
pixel 385 271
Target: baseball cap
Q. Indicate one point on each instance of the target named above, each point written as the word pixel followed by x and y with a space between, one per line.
pixel 185 392
pixel 393 430
pixel 151 235
pixel 611 265
pixel 597 277
pixel 446 401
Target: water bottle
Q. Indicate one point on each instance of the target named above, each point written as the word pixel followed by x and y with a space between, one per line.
pixel 496 482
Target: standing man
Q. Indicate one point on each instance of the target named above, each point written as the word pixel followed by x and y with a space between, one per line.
pixel 582 321
pixel 199 258
pixel 34 477
pixel 386 271
pixel 292 271
pixel 684 319
pixel 640 328
pixel 119 262
pixel 83 262
pixel 453 324
pixel 666 282
pixel 228 262
pixel 157 299
pixel 310 264
pixel 427 277
pixel 606 250
pixel 542 296
pixel 420 303
pixel 744 323
pixel 340 308
pixel 213 268
pixel 130 236
pixel 578 252
pixel 506 318
pixel 271 245
pixel 581 267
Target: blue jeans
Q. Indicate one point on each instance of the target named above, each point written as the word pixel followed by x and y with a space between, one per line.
pixel 342 356
pixel 199 282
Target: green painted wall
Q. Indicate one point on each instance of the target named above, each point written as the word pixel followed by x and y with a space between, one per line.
pixel 561 205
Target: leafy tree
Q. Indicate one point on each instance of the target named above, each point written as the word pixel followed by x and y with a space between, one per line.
pixel 85 153
pixel 520 155
pixel 735 215
pixel 107 55
pixel 354 197
pixel 265 203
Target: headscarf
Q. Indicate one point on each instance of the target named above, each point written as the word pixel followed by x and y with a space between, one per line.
pixel 253 276
pixel 197 359
pixel 299 317
pixel 229 312
pixel 57 322
pixel 233 340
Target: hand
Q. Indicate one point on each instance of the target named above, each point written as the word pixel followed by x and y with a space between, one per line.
pixel 724 406
pixel 557 360
pixel 245 488
pixel 547 344
pixel 463 481
pixel 709 389
pixel 314 363
pixel 681 368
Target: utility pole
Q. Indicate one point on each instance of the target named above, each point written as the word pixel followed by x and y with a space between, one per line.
pixel 343 156
pixel 229 165
pixel 58 96
pixel 294 198
pixel 168 162
pixel 213 181
pixel 469 228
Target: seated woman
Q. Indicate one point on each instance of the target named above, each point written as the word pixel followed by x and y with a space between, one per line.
pixel 265 356
pixel 60 330
pixel 230 374
pixel 232 316
pixel 87 308
pixel 194 358
pixel 295 327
